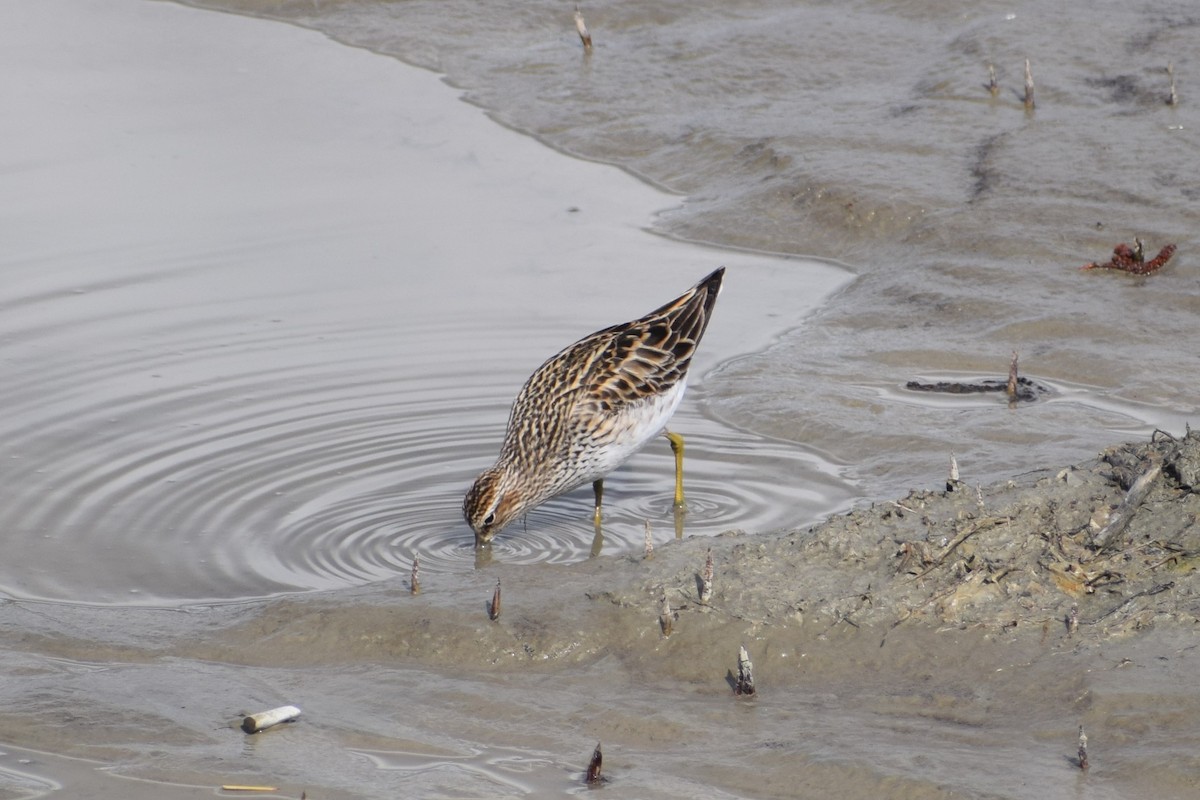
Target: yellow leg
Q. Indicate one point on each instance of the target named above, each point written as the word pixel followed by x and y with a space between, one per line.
pixel 598 488
pixel 677 448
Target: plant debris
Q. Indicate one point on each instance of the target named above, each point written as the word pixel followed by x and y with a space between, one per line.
pixel 706 579
pixel 593 771
pixel 1016 387
pixel 744 686
pixel 1133 259
pixel 666 617
pixel 494 606
pixel 584 36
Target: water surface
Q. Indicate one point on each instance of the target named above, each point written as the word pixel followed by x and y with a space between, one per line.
pixel 267 306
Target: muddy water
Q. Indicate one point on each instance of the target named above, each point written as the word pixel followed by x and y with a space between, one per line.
pixel 266 300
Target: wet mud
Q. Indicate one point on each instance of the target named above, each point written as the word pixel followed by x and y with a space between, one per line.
pixel 1032 557
pixel 1021 609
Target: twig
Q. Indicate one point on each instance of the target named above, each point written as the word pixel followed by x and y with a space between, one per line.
pixel 1153 590
pixel 981 525
pixel 649 543
pixel 414 584
pixel 992 85
pixel 1083 760
pixel 1175 556
pixel 243 787
pixel 1173 98
pixel 1118 521
pixel 666 617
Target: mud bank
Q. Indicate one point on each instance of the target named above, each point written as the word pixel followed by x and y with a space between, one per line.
pixel 919 646
pixel 1040 557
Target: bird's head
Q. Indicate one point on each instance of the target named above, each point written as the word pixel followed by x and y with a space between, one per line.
pixel 492 502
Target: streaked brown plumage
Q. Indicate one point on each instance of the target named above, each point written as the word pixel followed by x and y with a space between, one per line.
pixel 590 407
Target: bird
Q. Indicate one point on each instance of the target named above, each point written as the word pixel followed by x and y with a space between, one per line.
pixel 590 407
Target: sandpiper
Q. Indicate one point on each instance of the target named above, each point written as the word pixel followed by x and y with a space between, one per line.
pixel 590 407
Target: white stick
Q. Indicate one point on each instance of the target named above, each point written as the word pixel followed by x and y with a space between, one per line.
pixel 581 26
pixel 267 719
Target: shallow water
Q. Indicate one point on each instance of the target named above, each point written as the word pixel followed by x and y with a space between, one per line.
pixel 863 131
pixel 267 298
pixel 281 339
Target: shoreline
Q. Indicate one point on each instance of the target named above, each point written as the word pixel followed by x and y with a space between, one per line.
pixel 853 607
pixel 1013 559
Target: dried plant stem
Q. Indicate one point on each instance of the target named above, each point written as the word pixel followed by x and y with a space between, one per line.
pixel 992 85
pixel 1173 97
pixel 1011 388
pixel 649 542
pixel 593 770
pixel 666 617
pixel 1083 759
pixel 1110 535
pixel 745 678
pixel 706 579
pixel 414 584
pixel 494 606
pixel 581 26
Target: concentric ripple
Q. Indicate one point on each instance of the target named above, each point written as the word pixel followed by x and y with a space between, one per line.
pixel 255 340
pixel 243 458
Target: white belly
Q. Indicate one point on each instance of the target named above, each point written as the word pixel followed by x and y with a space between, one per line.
pixel 631 432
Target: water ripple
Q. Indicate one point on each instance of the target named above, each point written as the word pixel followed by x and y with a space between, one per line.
pixel 293 460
